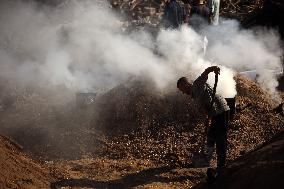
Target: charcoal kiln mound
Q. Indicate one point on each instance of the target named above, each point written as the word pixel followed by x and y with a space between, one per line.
pixel 262 168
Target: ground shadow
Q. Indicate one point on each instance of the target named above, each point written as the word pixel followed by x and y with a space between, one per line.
pixel 281 83
pixel 141 178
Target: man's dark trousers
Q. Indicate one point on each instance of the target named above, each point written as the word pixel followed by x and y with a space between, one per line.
pixel 217 134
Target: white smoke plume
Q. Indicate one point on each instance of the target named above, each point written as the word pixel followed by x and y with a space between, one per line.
pixel 243 50
pixel 81 45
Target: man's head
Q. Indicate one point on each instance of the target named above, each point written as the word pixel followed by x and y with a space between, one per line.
pixel 184 86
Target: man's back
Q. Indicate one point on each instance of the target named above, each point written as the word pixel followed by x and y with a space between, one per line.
pixel 203 93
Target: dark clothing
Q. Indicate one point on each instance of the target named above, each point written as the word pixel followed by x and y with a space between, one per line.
pixel 203 92
pixel 174 15
pixel 199 17
pixel 201 10
pixel 217 134
pixel 219 114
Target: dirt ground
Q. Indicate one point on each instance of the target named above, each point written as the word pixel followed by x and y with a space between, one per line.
pixel 261 168
pixel 17 170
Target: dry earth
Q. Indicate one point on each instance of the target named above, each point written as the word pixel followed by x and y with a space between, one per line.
pixel 261 168
pixel 17 170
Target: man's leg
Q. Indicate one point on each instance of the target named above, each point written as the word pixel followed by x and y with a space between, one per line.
pixel 221 140
pixel 209 154
pixel 209 148
pixel 221 150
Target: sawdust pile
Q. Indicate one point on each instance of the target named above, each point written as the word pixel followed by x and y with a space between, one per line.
pixel 132 120
pixel 170 128
pixel 46 122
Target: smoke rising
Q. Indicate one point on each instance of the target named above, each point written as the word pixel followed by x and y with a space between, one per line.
pixel 243 50
pixel 82 46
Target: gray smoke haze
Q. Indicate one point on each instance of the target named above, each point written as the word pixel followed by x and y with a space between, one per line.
pixel 82 46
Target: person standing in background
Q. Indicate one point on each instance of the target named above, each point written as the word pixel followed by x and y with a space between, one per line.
pixel 199 15
pixel 174 15
pixel 214 6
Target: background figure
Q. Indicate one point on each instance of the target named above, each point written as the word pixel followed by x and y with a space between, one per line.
pixel 174 14
pixel 201 9
pixel 214 6
pixel 200 14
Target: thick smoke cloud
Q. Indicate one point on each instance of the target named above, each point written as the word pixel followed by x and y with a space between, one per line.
pixel 82 46
pixel 243 50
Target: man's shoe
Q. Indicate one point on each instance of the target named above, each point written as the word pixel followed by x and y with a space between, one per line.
pixel 211 175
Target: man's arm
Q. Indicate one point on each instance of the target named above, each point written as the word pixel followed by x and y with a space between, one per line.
pixel 202 79
pixel 208 70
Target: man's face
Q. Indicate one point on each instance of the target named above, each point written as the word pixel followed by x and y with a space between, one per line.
pixel 185 88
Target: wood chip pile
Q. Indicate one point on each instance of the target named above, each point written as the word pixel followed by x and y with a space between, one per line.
pixel 46 122
pixel 170 128
pixel 150 12
pixel 133 119
pixel 142 13
pixel 240 9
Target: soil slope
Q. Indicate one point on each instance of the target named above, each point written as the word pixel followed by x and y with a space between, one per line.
pixel 259 169
pixel 17 170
